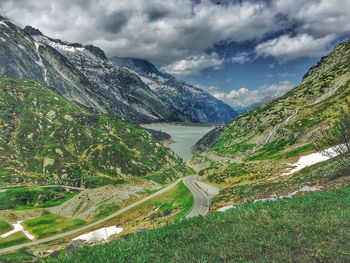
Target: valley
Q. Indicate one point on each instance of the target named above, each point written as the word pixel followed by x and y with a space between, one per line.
pixel 106 157
pixel 183 136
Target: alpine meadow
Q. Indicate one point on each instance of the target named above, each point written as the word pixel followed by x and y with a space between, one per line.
pixel 174 131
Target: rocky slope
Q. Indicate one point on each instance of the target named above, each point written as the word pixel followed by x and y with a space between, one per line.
pixel 80 73
pixel 46 139
pixel 199 105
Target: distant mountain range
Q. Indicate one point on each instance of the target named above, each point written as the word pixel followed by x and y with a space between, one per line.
pixel 192 101
pixel 85 75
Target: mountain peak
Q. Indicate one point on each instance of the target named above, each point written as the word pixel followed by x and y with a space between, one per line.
pixel 96 51
pixel 140 66
pixel 32 31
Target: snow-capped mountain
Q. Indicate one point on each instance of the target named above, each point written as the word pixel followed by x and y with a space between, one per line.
pixel 192 101
pixel 80 73
pixel 135 89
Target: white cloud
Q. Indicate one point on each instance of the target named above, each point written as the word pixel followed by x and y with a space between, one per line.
pixel 243 97
pixel 318 18
pixel 288 48
pixel 162 31
pixel 194 64
pixel 241 58
pixel 170 31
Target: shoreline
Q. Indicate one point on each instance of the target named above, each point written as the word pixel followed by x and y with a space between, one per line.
pixel 182 124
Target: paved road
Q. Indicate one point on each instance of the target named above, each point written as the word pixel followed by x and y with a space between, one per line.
pixel 201 200
pixel 200 207
pixel 87 227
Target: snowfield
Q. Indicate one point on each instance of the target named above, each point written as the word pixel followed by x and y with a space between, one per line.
pixel 311 159
pixel 17 227
pixel 100 234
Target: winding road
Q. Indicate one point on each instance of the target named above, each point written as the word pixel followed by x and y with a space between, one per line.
pixel 200 207
pixel 201 200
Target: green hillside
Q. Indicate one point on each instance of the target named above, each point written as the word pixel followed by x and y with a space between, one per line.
pixel 46 139
pixel 292 122
pixel 309 228
pixel 248 157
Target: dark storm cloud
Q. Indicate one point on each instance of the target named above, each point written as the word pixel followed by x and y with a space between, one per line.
pixel 114 22
pixel 156 14
pixel 179 31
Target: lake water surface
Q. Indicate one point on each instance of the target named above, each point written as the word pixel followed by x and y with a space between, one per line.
pixel 185 136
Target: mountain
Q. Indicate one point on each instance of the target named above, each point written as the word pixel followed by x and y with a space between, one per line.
pixel 130 88
pixel 293 120
pixel 80 73
pixel 46 139
pixel 248 158
pixel 192 101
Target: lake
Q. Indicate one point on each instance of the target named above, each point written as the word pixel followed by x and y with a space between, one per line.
pixel 184 136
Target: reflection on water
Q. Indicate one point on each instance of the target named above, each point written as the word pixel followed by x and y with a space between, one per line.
pixel 185 136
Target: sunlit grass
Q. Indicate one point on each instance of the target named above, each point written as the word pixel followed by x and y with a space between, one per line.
pixel 309 228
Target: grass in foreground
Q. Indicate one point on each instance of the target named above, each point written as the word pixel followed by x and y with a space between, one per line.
pixel 18 256
pixel 309 228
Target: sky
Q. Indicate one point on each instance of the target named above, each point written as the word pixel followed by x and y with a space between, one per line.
pixel 243 52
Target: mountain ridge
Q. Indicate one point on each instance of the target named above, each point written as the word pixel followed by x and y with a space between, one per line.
pixel 324 81
pixel 84 74
pixel 195 102
pixel 98 85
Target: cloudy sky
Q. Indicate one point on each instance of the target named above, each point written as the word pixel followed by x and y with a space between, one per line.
pixel 242 51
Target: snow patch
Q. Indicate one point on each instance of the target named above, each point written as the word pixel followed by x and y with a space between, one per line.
pixel 311 159
pixel 21 47
pixel 4 24
pixel 303 189
pixel 40 61
pixel 17 227
pixel 100 234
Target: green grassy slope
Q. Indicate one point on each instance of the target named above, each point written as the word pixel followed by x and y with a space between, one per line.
pixel 5 227
pixel 45 139
pixel 39 197
pixel 247 157
pixel 309 228
pixel 286 126
pixel 51 224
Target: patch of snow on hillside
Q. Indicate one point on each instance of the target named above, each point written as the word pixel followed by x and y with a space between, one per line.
pixel 40 61
pixel 17 227
pixel 3 23
pixel 311 159
pixel 303 189
pixel 272 198
pixel 100 234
